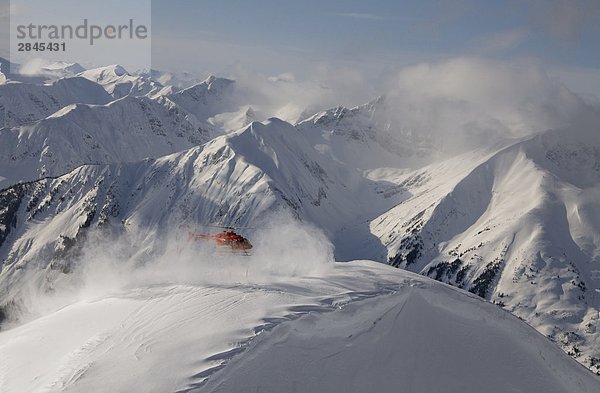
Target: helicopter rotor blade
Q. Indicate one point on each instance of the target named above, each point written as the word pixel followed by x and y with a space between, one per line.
pixel 226 227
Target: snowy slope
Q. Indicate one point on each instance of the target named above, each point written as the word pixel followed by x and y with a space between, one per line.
pixel 518 227
pixel 363 137
pixel 62 69
pixel 125 130
pixel 119 83
pixel 178 80
pixel 355 327
pixel 23 103
pixel 208 98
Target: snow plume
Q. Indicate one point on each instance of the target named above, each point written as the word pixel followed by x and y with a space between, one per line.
pixel 282 249
pixel 34 66
pixel 465 102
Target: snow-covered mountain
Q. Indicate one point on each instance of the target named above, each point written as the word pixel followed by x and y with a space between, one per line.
pixel 519 227
pixel 125 130
pixel 179 80
pixel 240 178
pixel 6 66
pixel 363 137
pixel 207 99
pixel 119 83
pixel 62 69
pixel 24 103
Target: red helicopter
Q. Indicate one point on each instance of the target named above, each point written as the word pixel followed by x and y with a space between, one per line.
pixel 228 239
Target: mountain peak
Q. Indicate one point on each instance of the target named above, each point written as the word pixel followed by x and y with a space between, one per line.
pixel 64 68
pixel 110 72
pixel 117 70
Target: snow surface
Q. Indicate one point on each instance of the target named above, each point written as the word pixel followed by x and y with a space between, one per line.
pixel 61 69
pixel 25 103
pixel 124 130
pixel 517 227
pixel 204 100
pixel 178 80
pixel 363 138
pixel 119 83
pixel 356 327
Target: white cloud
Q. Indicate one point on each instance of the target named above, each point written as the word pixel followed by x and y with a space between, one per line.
pixel 457 102
pixel 583 80
pixel 464 101
pixel 286 96
pixel 33 67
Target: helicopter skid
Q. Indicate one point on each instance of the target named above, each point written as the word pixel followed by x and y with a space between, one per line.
pixel 244 253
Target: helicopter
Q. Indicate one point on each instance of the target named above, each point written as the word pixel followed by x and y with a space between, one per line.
pixel 227 240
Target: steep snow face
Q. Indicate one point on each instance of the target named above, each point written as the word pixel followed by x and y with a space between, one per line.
pixel 125 130
pixel 362 138
pixel 320 191
pixel 24 103
pixel 357 327
pixel 151 199
pixel 207 99
pixel 119 83
pixel 518 228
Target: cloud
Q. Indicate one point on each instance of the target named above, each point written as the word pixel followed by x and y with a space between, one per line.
pixel 583 80
pixel 463 102
pixel 456 103
pixel 359 15
pixel 291 98
pixel 33 67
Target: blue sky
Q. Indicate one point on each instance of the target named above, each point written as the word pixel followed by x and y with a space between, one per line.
pixel 279 36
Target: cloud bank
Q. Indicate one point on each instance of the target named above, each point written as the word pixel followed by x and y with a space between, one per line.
pixel 457 103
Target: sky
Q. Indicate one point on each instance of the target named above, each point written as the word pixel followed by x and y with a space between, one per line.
pixel 302 37
pixel 368 39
